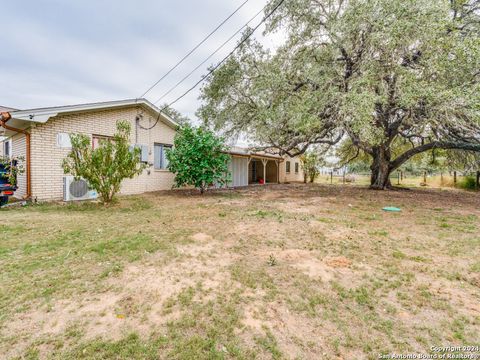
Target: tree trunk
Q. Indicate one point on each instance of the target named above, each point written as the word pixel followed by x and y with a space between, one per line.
pixel 381 169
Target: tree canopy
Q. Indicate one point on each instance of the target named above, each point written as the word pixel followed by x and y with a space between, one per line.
pixel 393 78
pixel 176 115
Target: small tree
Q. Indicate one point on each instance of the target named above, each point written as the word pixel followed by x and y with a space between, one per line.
pixel 198 159
pixel 310 163
pixel 106 166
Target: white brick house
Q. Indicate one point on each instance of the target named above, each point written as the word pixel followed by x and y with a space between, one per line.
pixel 47 130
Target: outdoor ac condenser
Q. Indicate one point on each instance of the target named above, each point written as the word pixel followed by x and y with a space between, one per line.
pixel 77 190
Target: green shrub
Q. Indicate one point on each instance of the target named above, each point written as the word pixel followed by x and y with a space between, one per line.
pixel 12 168
pixel 467 183
pixel 198 159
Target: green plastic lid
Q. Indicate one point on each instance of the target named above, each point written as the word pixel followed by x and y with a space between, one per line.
pixel 392 208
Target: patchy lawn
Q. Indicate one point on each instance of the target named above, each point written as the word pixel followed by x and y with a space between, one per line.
pixel 286 271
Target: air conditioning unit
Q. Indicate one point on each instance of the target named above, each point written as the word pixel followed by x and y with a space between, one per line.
pixel 77 190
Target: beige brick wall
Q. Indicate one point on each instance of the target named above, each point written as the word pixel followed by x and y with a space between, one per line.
pixel 291 176
pixel 47 157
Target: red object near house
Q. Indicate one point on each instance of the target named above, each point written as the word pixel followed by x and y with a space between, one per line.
pixel 261 181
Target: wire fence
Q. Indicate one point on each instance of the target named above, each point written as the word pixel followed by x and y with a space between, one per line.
pixel 449 179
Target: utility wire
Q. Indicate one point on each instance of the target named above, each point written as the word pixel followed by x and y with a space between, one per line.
pixel 212 70
pixel 194 49
pixel 209 57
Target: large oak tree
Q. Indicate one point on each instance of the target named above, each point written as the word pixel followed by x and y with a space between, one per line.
pixel 394 78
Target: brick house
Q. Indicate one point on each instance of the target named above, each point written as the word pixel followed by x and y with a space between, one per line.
pixel 41 136
pixel 49 130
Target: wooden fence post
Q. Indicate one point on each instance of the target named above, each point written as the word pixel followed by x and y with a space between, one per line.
pixel 331 177
pixel 478 180
pixel 454 178
pixel 425 177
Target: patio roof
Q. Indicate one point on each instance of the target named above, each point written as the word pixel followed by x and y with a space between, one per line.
pixel 245 152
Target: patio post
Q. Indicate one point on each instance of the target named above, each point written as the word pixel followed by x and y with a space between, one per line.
pixel 278 172
pixel 264 162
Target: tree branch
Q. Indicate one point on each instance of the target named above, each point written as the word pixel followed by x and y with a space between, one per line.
pixel 433 145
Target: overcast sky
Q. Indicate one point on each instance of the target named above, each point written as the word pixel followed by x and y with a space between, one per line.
pixel 57 52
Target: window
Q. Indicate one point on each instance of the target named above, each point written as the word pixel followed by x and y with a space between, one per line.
pixel 160 156
pixel 98 140
pixel 7 148
pixel 143 152
pixel 296 168
pixel 287 165
pixel 63 140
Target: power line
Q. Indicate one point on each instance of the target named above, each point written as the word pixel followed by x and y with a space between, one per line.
pixel 230 54
pixel 209 57
pixel 194 49
pixel 212 70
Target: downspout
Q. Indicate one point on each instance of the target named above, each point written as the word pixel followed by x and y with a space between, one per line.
pixel 4 117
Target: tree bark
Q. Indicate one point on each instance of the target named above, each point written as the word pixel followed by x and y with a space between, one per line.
pixel 381 169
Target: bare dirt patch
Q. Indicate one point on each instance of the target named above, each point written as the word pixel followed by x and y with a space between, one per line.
pixel 201 237
pixel 338 262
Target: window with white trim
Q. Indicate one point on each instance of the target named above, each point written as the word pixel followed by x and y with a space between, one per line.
pixel 7 148
pixel 63 141
pixel 160 160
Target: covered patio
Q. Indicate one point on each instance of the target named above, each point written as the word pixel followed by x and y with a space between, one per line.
pixel 254 168
pixel 263 171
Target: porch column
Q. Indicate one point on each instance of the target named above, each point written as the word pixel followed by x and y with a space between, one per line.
pixel 278 171
pixel 264 162
pixel 248 171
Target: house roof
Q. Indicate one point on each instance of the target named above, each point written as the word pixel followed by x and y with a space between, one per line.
pixel 246 152
pixel 24 118
pixel 6 109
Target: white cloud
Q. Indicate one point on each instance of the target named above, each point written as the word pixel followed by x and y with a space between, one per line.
pixel 56 53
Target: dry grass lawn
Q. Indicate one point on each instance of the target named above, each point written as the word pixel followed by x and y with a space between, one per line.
pixel 287 271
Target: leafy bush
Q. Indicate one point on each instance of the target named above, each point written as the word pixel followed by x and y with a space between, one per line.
pixel 198 159
pixel 106 166
pixel 13 167
pixel 467 183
